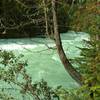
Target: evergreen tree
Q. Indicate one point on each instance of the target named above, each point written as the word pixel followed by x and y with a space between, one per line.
pixel 87 20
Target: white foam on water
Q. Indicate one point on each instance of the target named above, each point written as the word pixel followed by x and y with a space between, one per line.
pixel 82 36
pixel 56 58
pixel 17 47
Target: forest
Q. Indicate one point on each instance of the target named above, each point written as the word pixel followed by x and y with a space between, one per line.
pixel 49 49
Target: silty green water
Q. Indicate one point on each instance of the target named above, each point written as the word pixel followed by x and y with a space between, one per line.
pixel 44 63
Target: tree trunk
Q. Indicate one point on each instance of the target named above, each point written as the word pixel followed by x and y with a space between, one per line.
pixel 68 66
pixel 46 17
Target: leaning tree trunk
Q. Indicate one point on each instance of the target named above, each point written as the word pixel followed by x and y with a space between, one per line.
pixel 68 66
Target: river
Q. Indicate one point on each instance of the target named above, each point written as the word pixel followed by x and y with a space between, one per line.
pixel 44 63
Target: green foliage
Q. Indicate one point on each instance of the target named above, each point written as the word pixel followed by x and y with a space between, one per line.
pixel 4 96
pixel 89 63
pixel 11 67
pixel 13 73
pixel 6 57
pixel 87 19
pixel 64 94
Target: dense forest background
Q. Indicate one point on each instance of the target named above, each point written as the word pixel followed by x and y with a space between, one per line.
pixel 27 19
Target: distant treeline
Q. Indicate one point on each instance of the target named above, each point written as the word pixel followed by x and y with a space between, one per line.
pixel 25 18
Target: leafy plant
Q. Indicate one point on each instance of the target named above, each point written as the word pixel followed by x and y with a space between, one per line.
pixel 87 20
pixel 13 73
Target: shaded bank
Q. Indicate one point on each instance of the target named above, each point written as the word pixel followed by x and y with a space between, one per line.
pixel 27 34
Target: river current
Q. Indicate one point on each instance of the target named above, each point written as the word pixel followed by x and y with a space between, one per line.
pixel 44 63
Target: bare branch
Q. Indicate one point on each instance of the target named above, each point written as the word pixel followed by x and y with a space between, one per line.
pixel 24 5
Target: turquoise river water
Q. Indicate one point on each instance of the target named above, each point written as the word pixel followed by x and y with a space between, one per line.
pixel 44 63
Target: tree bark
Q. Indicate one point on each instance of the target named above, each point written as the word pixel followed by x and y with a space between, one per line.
pixel 46 17
pixel 68 66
